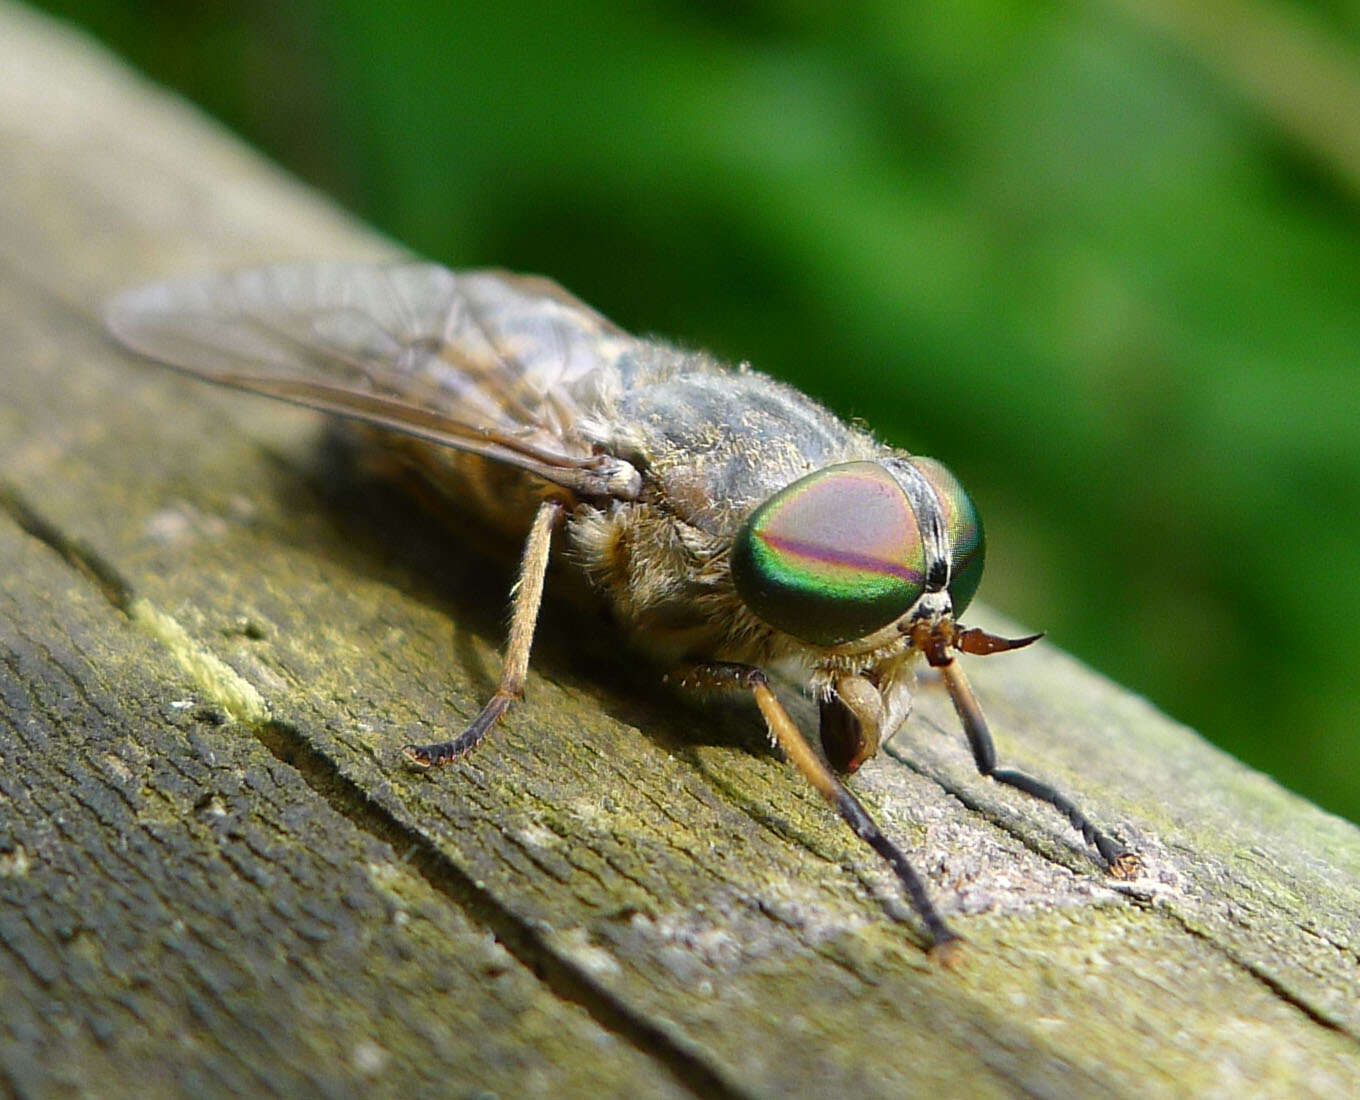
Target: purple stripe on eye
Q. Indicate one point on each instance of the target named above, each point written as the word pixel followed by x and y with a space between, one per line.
pixel 845 558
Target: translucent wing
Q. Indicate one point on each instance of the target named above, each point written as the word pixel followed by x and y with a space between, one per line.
pixel 481 361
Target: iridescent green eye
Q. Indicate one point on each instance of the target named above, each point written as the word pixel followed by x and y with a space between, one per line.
pixel 964 528
pixel 833 557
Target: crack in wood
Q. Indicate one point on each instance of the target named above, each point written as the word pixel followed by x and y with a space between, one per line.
pixel 1276 986
pixel 77 554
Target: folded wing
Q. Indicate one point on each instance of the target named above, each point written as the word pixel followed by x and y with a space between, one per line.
pixel 481 361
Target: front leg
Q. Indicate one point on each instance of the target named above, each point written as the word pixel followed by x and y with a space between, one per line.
pixel 720 675
pixel 1120 862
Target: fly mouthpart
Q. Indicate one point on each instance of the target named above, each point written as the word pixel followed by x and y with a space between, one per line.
pixel 935 638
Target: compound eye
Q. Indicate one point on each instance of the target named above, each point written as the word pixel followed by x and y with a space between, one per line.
pixel 833 557
pixel 963 525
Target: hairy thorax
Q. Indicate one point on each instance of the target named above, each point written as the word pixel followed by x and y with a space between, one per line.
pixel 710 446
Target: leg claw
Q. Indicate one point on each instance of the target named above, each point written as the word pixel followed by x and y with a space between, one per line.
pixel 947 953
pixel 1126 865
pixel 420 757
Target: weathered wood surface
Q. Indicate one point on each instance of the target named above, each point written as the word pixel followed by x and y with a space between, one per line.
pixel 216 876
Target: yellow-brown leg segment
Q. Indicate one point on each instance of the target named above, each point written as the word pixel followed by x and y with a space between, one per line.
pixel 718 675
pixel 527 596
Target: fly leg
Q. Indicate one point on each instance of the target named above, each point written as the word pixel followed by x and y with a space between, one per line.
pixel 721 674
pixel 1120 862
pixel 527 596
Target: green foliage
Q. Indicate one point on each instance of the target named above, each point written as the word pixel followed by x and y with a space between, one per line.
pixel 1089 262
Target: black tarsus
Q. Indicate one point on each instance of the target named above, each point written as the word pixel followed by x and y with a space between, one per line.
pixel 1118 859
pixel 446 752
pixel 854 814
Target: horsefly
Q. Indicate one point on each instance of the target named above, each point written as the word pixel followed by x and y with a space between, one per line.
pixel 731 523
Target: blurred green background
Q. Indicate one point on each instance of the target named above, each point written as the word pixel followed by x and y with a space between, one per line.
pixel 1099 257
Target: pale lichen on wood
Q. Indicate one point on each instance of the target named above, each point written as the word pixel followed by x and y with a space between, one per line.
pixel 215 874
